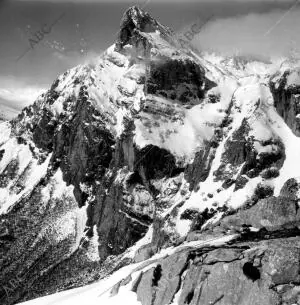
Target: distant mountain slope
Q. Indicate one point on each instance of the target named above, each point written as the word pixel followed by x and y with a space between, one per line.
pixel 7 113
pixel 181 167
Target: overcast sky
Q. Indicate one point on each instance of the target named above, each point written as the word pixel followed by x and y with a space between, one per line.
pixel 153 1
pixel 86 28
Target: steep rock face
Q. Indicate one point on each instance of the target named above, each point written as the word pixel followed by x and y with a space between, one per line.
pixel 199 170
pixel 286 90
pixel 177 80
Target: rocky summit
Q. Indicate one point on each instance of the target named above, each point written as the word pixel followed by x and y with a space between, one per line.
pixel 154 175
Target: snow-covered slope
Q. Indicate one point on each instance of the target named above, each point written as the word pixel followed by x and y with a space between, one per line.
pixel 158 159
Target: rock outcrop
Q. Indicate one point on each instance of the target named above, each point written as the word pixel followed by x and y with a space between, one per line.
pixel 262 273
pixel 286 90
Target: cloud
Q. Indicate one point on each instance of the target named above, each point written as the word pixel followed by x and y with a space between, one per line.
pixel 20 97
pixel 253 34
pixel 74 58
pixel 16 94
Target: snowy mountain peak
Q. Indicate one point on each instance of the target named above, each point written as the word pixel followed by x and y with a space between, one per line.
pixel 135 22
pixel 151 154
pixel 139 19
